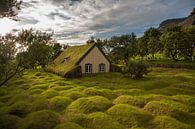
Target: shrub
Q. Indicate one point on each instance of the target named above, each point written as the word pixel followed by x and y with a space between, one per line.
pixel 20 108
pixel 129 116
pixel 9 122
pixel 100 120
pixel 59 103
pixel 167 122
pixel 44 119
pixel 131 100
pixel 135 69
pixel 68 125
pixel 75 95
pixel 89 105
pixel 49 93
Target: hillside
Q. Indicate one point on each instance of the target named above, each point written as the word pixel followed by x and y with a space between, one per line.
pixel 187 21
pixel 165 99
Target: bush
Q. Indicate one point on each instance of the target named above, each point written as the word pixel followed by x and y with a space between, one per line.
pixel 131 100
pixel 89 105
pixel 135 69
pixel 68 125
pixel 9 122
pixel 100 120
pixel 166 122
pixel 49 93
pixel 59 103
pixel 44 119
pixel 20 108
pixel 129 116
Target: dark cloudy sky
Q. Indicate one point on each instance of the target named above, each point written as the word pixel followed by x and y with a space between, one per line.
pixel 74 21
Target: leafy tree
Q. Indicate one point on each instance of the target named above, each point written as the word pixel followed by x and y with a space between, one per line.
pixel 8 65
pixel 8 8
pixel 91 40
pixel 57 50
pixel 176 43
pixel 37 54
pixel 125 47
pixel 154 44
pixel 142 46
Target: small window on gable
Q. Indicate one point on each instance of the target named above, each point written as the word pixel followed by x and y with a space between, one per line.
pixel 102 68
pixel 88 68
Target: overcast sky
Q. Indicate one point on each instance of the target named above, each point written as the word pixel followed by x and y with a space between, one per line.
pixel 74 21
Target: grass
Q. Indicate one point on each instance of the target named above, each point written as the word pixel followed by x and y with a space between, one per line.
pixel 165 99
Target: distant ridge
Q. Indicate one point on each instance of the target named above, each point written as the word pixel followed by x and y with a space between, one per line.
pixel 187 21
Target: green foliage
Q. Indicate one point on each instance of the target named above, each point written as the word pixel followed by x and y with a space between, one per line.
pixel 136 69
pixel 99 120
pixel 9 122
pixel 59 103
pixel 89 105
pixel 176 43
pixel 129 116
pixel 44 119
pixel 131 100
pixel 68 125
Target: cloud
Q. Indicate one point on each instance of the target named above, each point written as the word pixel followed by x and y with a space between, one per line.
pixel 74 21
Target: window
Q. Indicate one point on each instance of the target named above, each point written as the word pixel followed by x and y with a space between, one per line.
pixel 101 68
pixel 88 68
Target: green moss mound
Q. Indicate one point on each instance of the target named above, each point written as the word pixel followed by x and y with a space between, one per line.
pixel 19 95
pixel 155 97
pixel 39 103
pixel 120 92
pixel 68 125
pixel 184 99
pixel 166 122
pixel 131 100
pixel 89 104
pixel 129 116
pixel 36 91
pixel 39 86
pixel 20 108
pixel 75 95
pixel 49 93
pixel 61 88
pixel 44 119
pixel 59 103
pixel 99 120
pixel 9 122
pixel 79 118
pixel 166 107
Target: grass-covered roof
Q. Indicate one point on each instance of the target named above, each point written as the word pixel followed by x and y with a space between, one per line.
pixel 68 59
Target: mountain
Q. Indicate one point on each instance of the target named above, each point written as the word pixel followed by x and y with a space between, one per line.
pixel 187 21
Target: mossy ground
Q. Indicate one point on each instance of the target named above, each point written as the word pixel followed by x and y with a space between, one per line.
pixel 163 99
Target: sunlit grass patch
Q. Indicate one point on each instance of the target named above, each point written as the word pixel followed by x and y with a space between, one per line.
pixel 131 100
pixel 44 119
pixel 89 105
pixel 129 116
pixel 99 120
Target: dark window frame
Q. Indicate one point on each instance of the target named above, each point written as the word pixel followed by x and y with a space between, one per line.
pixel 102 68
pixel 88 68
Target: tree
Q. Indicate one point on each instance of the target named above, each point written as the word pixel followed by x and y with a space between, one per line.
pixel 8 8
pixel 91 40
pixel 57 50
pixel 9 67
pixel 176 43
pixel 125 47
pixel 142 45
pixel 154 44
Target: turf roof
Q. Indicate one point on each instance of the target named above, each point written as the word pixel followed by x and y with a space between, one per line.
pixel 68 59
